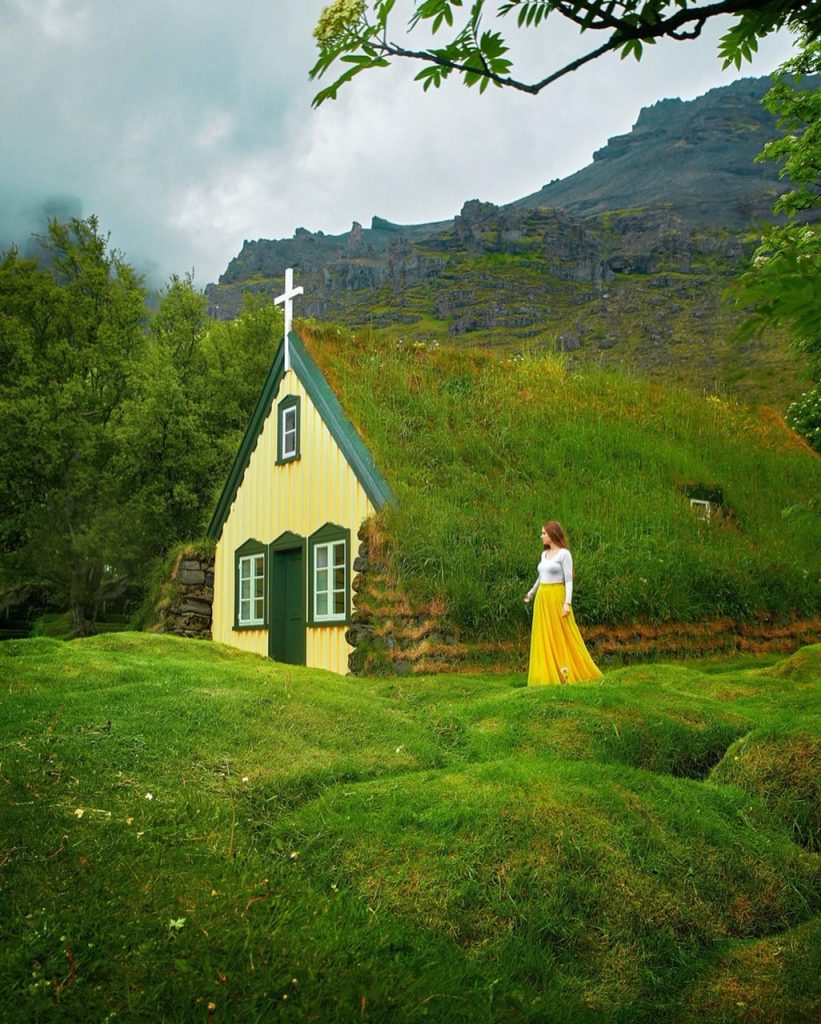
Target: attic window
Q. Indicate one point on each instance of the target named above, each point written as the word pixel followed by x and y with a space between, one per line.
pixel 288 429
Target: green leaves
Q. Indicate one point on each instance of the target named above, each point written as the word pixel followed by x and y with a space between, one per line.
pixel 783 284
pixel 358 33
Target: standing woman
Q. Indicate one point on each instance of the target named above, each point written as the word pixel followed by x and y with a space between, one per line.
pixel 557 651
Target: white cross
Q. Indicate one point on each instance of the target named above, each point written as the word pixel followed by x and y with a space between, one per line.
pixel 286 297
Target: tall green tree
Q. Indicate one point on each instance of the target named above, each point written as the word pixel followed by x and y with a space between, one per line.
pixel 117 426
pixel 359 35
pixel 75 332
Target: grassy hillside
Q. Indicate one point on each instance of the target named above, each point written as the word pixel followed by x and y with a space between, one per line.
pixel 481 449
pixel 675 327
pixel 188 833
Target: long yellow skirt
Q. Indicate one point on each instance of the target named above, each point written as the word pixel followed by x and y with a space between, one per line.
pixel 557 651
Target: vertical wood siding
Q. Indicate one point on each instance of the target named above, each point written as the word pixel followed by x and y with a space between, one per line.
pixel 299 496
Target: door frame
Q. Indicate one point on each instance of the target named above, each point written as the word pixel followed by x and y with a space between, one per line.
pixel 285 544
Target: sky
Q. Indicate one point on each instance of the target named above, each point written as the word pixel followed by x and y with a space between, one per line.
pixel 186 127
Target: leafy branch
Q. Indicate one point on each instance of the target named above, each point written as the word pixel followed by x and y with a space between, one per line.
pixel 357 33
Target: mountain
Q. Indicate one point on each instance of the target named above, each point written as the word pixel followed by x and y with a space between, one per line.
pixel 625 262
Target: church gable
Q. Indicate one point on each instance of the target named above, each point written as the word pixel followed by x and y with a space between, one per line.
pixel 288 414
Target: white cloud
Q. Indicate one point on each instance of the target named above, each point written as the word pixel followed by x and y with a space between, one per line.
pixel 187 127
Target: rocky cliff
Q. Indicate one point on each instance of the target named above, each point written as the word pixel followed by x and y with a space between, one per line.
pixel 625 261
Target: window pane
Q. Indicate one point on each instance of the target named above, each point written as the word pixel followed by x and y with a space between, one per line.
pixel 322 556
pixel 321 581
pixel 244 610
pixel 259 609
pixel 339 603
pixel 339 579
pixel 288 431
pixel 321 604
pixel 259 588
pixel 339 553
pixel 244 589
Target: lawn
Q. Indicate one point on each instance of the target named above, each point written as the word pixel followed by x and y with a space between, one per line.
pixel 189 833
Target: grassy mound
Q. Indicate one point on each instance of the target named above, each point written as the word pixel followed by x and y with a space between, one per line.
pixel 481 449
pixel 188 832
pixel 785 771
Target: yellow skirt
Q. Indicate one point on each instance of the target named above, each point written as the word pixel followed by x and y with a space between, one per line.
pixel 557 651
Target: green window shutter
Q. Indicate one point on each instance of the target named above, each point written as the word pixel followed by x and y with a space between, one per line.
pixel 329 576
pixel 251 586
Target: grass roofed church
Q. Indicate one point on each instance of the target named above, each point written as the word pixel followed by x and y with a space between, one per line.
pixel 286 521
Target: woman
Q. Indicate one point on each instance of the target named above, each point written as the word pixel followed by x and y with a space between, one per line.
pixel 557 651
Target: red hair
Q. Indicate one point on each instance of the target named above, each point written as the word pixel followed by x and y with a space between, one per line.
pixel 555 533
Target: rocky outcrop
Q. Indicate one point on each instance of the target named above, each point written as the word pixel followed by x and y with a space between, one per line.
pixel 624 262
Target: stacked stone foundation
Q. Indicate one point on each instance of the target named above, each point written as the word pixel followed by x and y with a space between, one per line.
pixel 186 599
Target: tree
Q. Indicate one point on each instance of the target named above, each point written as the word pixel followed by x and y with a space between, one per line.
pixel 75 332
pixel 783 285
pixel 357 34
pixel 782 288
pixel 117 427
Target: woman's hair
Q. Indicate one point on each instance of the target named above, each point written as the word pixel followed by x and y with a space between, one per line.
pixel 555 533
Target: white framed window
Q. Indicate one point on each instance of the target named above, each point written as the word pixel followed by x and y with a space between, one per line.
pixel 701 508
pixel 288 429
pixel 251 604
pixel 330 589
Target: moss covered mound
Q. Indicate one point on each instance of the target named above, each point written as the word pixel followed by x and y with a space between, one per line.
pixel 480 449
pixel 183 825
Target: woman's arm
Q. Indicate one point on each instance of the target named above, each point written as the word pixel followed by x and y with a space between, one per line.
pixel 567 569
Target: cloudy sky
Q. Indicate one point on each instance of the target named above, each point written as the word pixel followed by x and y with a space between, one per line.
pixel 186 126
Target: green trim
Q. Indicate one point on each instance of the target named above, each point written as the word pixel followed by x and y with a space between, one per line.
pixel 288 402
pixel 279 550
pixel 333 415
pixel 327 534
pixel 246 550
pixel 286 541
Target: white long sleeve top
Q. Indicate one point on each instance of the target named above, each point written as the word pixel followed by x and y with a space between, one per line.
pixel 555 568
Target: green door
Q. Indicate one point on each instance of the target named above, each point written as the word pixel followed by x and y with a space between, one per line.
pixel 286 632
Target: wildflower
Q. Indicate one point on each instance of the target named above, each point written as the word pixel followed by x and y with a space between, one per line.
pixel 337 20
pixel 149 796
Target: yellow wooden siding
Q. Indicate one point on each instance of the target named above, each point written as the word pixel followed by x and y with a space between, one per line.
pixel 320 487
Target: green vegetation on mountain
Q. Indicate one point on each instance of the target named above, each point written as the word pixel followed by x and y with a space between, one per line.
pixel 481 448
pixel 617 265
pixel 189 833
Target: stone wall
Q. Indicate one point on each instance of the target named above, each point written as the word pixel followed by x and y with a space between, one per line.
pixel 184 606
pixel 392 634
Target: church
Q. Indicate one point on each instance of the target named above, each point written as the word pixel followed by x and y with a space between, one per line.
pixel 286 521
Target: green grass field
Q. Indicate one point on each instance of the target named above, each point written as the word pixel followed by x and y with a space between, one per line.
pixel 188 833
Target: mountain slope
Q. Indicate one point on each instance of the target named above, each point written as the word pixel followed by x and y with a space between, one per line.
pixel 625 262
